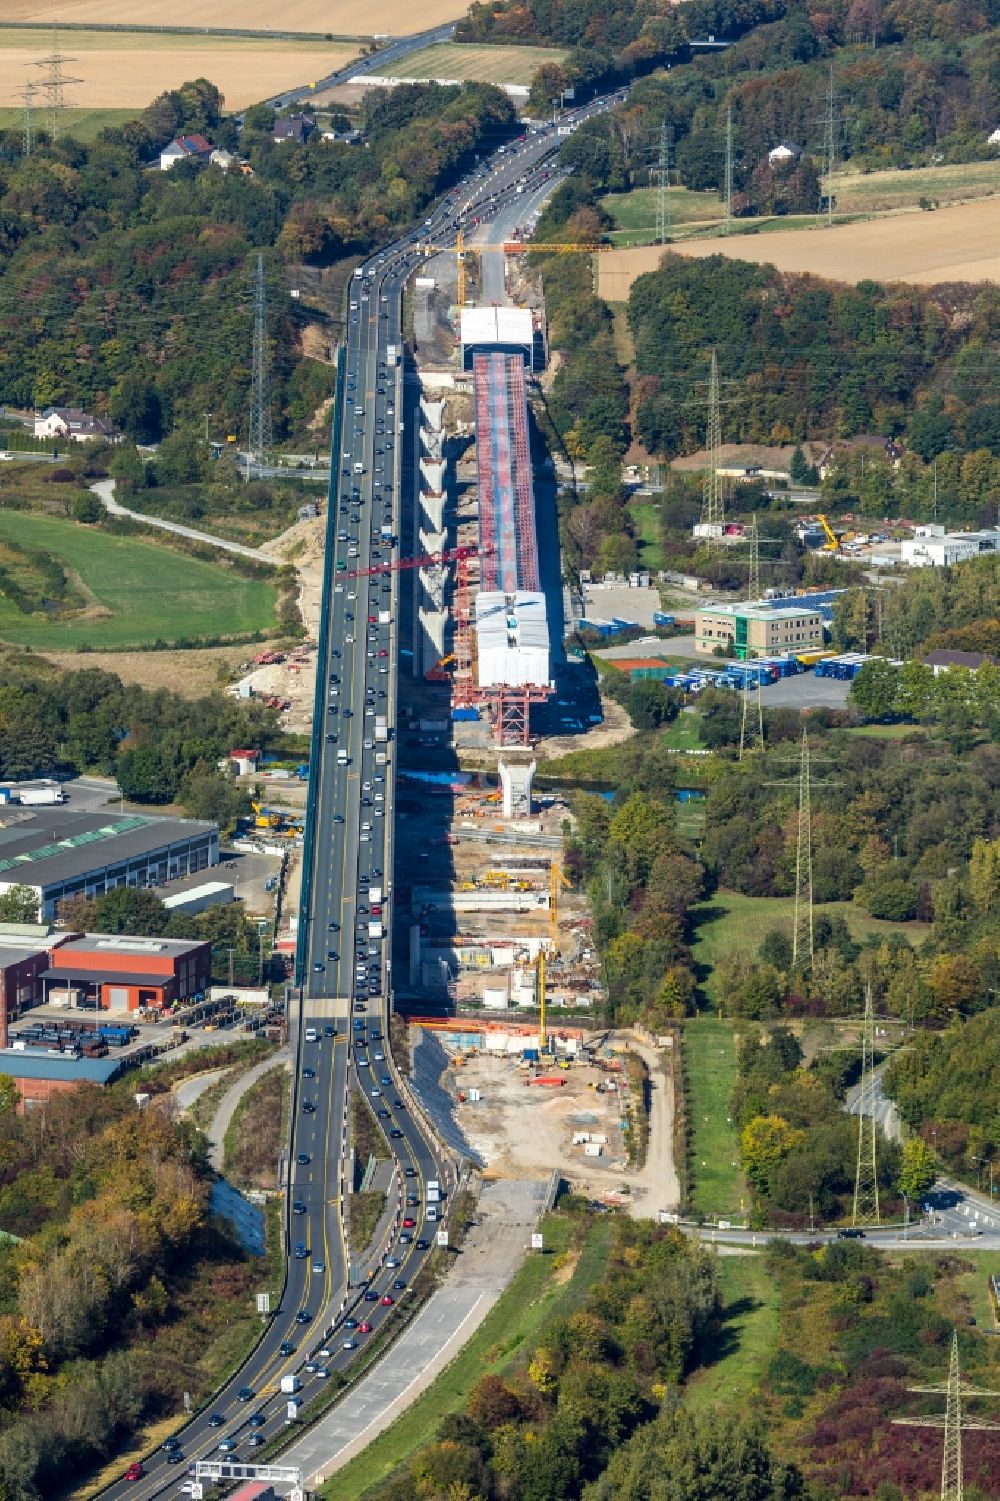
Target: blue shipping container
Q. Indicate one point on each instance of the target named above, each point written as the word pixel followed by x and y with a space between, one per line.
pixel 660 619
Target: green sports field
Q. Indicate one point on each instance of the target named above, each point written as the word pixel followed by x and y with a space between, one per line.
pixel 136 592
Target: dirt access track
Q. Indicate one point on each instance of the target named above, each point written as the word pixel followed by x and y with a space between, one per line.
pixel 958 243
pixel 524 1129
pixel 341 17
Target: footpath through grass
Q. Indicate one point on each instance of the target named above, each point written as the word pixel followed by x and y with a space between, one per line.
pixel 139 592
pixel 716 1182
pixel 646 516
pixel 535 1295
pixel 747 1337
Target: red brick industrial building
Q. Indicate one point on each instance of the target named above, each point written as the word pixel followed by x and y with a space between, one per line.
pixel 126 974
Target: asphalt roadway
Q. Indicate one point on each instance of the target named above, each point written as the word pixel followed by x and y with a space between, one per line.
pixel 950 1215
pixel 376 63
pixel 338 1028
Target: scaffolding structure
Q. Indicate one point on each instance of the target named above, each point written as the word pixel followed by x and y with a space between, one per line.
pixel 506 493
pixel 518 671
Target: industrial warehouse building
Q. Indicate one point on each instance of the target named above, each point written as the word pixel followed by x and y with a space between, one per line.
pixel 25 951
pixel 59 853
pixel 758 630
pixel 108 973
pixel 933 547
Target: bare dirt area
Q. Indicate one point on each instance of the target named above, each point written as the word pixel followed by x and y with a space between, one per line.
pixel 127 70
pixel 190 674
pixel 960 242
pixel 344 18
pixel 616 728
pixel 521 1127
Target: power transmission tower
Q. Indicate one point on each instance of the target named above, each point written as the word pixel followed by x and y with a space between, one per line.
pixel 830 146
pixel 866 1211
pixel 752 720
pixel 802 931
pixel 55 83
pixel 953 1390
pixel 729 171
pixel 662 186
pixel 261 437
pixel 28 135
pixel 711 497
pixel 753 576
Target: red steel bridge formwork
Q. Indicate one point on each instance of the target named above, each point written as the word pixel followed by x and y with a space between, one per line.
pixel 512 656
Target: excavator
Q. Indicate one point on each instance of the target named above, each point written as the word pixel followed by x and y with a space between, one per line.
pixel 437 673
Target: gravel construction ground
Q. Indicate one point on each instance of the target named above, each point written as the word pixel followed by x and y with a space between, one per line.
pixel 957 243
pixel 520 1128
pixel 344 17
pixel 127 70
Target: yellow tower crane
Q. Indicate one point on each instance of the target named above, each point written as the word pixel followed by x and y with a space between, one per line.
pixel 543 1040
pixel 509 247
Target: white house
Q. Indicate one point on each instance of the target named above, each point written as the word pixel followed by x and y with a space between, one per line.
pixel 222 158
pixel 783 153
pixel 72 423
pixel 192 148
pixel 994 139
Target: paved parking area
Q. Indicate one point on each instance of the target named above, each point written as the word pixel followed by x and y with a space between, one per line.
pixel 605 600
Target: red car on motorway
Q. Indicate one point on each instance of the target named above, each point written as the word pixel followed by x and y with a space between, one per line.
pixel 135 1471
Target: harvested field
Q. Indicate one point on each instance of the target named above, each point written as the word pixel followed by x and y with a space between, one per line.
pixel 516 65
pixel 959 243
pixel 127 70
pixel 345 17
pixel 190 674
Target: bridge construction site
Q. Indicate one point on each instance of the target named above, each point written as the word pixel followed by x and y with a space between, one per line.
pixel 484 630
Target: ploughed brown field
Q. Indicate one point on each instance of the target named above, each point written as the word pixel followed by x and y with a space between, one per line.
pixel 956 243
pixel 126 70
pixel 346 17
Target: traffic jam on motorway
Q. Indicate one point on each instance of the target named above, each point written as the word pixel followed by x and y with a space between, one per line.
pixel 347 921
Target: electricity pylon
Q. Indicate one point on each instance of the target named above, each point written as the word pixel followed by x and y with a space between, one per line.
pixel 711 498
pixel 28 133
pixel 866 1211
pixel 830 146
pixel 729 171
pixel 802 931
pixel 753 576
pixel 55 82
pixel 954 1390
pixel 662 185
pixel 752 720
pixel 259 446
